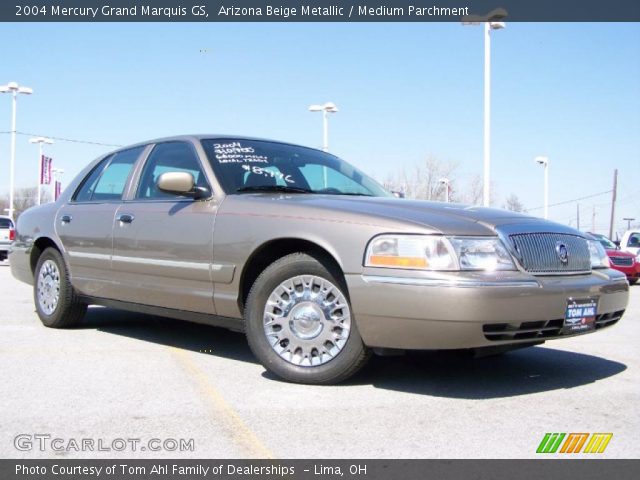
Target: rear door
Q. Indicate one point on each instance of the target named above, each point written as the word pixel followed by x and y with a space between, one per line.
pixel 163 243
pixel 85 224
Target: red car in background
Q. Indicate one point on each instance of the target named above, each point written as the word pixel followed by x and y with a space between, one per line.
pixel 622 261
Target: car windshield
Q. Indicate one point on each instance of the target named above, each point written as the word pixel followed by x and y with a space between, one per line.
pixel 248 166
pixel 606 243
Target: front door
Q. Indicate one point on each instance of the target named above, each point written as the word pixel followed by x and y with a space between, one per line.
pixel 163 243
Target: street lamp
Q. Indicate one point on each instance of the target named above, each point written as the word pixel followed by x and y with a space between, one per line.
pixel 445 182
pixel 14 89
pixel 491 21
pixel 628 220
pixel 326 109
pixel 40 141
pixel 544 161
pixel 54 173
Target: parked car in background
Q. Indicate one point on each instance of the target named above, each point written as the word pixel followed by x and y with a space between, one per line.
pixel 310 257
pixel 631 242
pixel 626 262
pixel 7 234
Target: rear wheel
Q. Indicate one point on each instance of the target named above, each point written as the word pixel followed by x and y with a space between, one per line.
pixel 633 281
pixel 57 304
pixel 299 323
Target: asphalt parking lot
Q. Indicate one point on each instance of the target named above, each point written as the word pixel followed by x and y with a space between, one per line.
pixel 130 376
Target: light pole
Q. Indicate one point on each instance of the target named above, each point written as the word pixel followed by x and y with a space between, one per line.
pixel 544 161
pixel 628 220
pixel 14 89
pixel 40 141
pixel 445 182
pixel 326 109
pixel 491 21
pixel 54 173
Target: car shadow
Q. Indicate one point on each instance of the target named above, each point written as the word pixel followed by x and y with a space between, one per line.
pixel 459 375
pixel 194 337
pixel 439 374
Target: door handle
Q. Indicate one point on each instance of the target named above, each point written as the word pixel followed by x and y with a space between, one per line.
pixel 65 218
pixel 126 218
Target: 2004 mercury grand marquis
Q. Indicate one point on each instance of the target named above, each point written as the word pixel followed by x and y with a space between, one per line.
pixel 314 260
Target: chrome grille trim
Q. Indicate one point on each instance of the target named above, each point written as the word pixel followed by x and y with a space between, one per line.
pixel 537 252
pixel 621 261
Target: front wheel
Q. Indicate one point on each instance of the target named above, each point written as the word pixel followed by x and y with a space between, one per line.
pixel 299 323
pixel 56 302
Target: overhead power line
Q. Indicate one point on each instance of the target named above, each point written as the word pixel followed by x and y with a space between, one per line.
pixel 573 200
pixel 62 139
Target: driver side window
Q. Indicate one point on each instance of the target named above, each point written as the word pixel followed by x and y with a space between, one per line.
pixel 169 157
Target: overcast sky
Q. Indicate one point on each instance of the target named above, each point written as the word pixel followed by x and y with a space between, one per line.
pixel 405 91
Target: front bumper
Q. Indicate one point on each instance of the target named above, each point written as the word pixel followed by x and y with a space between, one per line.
pixel 631 272
pixel 460 310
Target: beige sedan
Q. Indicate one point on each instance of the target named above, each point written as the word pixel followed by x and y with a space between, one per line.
pixel 314 260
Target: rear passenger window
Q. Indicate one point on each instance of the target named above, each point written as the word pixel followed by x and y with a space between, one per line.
pixel 6 223
pixel 107 182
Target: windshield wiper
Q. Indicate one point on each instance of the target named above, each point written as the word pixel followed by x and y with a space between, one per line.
pixel 273 188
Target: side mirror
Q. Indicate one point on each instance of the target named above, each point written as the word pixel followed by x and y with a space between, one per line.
pixel 181 183
pixel 397 194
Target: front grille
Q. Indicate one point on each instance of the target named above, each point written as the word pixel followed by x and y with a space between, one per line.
pixel 621 261
pixel 538 252
pixel 539 330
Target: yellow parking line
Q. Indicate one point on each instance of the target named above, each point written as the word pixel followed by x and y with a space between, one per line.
pixel 241 431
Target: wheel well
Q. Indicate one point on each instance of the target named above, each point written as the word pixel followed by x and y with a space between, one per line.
pixel 39 246
pixel 272 251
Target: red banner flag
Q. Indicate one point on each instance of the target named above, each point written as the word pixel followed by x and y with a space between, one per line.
pixel 58 190
pixel 45 170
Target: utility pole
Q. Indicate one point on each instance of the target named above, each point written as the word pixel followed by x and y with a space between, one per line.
pixel 578 216
pixel 613 202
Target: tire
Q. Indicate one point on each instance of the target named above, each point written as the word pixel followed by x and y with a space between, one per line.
pixel 633 281
pixel 51 278
pixel 313 338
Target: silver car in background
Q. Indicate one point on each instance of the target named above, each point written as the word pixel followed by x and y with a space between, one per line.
pixel 7 235
pixel 310 257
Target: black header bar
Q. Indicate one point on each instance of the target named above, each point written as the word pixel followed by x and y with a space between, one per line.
pixel 319 10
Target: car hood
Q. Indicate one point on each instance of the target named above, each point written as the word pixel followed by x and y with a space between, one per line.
pixel 449 218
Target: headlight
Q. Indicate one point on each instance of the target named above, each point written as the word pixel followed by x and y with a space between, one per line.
pixel 482 253
pixel 422 252
pixel 599 258
pixel 434 252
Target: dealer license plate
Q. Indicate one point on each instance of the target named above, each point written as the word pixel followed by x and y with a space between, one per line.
pixel 580 316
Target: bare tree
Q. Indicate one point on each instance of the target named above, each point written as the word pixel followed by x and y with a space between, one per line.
pixel 422 181
pixel 24 198
pixel 473 191
pixel 513 203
